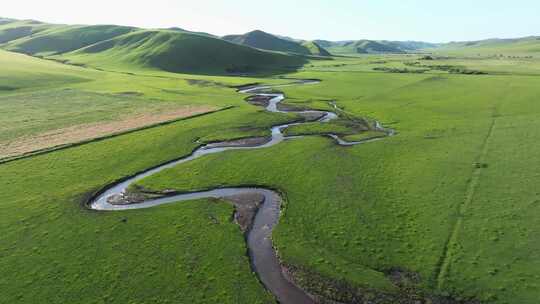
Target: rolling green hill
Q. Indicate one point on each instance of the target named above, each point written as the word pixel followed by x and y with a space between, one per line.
pixel 373 46
pixel 5 20
pixel 370 46
pixel 326 43
pixel 315 49
pixel 412 45
pixel 65 39
pixel 175 51
pixel 111 46
pixel 181 30
pixel 518 46
pixel 365 47
pixel 13 30
pixel 265 41
pixel 526 46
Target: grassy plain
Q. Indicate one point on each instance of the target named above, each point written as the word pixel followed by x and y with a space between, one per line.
pixel 413 202
pixel 38 97
pixel 56 251
pixel 451 198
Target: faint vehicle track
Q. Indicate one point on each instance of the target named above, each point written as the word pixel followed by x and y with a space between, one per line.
pixel 443 266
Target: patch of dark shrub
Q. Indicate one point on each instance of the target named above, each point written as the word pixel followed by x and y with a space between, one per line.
pixel 401 71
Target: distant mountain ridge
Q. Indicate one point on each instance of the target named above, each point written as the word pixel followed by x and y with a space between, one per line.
pixel 5 20
pixel 373 46
pixel 525 46
pixel 265 41
pixel 492 40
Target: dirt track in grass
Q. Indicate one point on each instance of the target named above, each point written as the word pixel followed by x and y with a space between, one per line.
pixel 85 132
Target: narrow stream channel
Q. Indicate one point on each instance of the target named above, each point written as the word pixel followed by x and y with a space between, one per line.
pixel 264 260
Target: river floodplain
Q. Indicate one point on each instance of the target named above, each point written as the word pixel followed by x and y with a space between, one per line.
pixel 445 209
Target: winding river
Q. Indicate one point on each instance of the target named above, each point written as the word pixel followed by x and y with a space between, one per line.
pixel 264 260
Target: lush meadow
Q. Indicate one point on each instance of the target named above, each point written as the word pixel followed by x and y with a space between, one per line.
pixel 414 202
pixel 449 204
pixel 56 251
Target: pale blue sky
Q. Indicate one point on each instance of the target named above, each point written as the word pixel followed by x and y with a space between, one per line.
pixel 435 21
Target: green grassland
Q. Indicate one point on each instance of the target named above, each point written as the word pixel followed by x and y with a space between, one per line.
pixel 508 65
pixel 451 200
pixel 355 214
pixel 55 251
pixel 37 96
pixel 527 46
pixel 409 63
pixel 342 127
pixel 23 73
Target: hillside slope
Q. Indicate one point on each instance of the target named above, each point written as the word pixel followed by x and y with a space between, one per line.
pixel 315 49
pixel 414 45
pixel 327 43
pixel 373 46
pixel 175 51
pixel 181 30
pixel 10 31
pixel 265 41
pixel 518 46
pixel 64 39
pixel 128 48
pixel 5 20
pixel 365 47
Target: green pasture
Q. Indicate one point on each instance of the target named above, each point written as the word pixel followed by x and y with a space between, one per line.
pixel 451 200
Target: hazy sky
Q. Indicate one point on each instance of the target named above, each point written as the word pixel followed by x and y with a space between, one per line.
pixel 428 20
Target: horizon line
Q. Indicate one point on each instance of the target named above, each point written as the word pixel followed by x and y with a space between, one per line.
pixel 281 36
